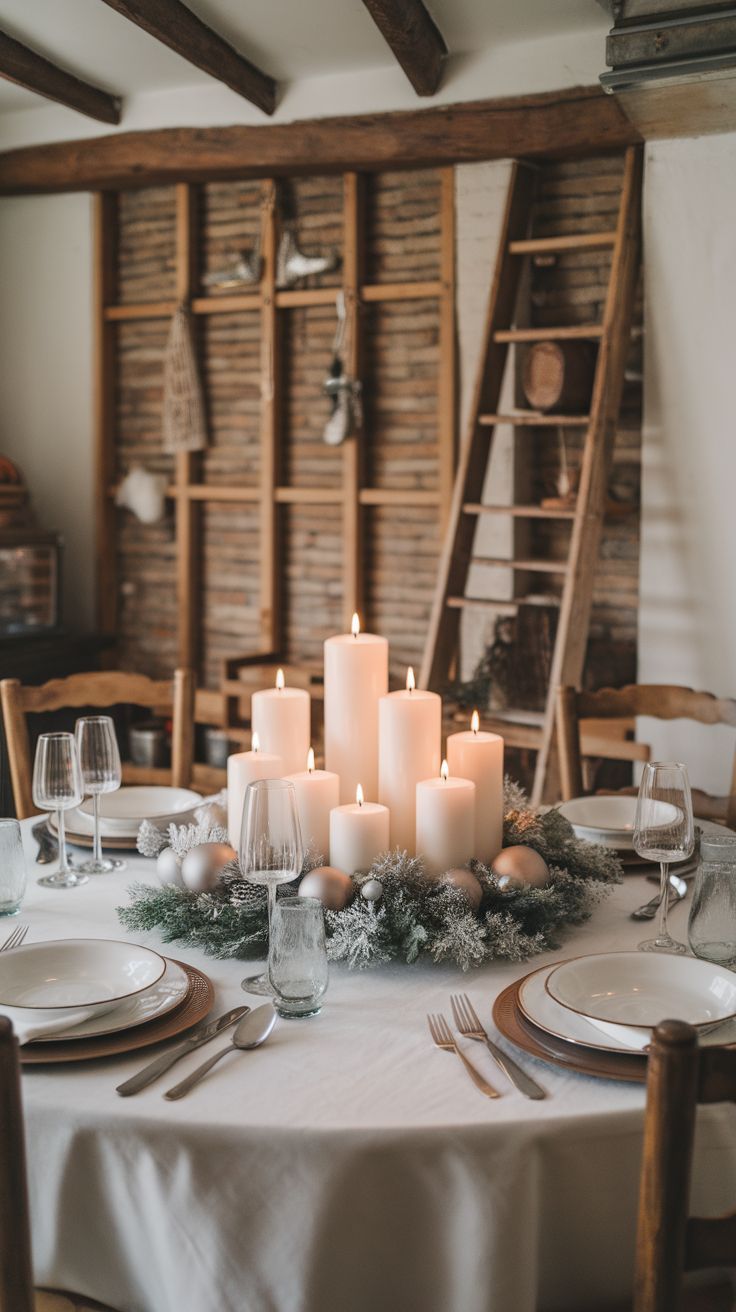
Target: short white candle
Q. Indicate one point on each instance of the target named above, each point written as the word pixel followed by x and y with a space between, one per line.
pixel 410 731
pixel 445 821
pixel 317 793
pixel 244 768
pixel 478 756
pixel 359 832
pixel 356 675
pixel 281 718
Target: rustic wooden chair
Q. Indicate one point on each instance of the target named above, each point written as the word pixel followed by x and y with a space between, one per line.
pixel 16 1277
pixel 100 689
pixel 662 702
pixel 679 1076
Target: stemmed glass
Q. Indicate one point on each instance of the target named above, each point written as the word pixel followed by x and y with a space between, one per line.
pixel 57 786
pixel 271 851
pixel 664 831
pixel 99 762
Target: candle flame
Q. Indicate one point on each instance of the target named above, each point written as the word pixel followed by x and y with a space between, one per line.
pixel 444 772
pixel 310 761
pixel 355 626
pixel 255 742
pixel 475 722
pixel 411 682
pixel 359 795
pixel 280 680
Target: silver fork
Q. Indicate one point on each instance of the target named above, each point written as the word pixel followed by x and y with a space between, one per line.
pixel 469 1024
pixel 442 1035
pixel 15 938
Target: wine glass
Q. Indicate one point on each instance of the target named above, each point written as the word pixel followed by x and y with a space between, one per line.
pixel 271 851
pixel 664 831
pixel 57 786
pixel 99 762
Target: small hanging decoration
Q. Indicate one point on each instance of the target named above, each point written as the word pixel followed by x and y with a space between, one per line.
pixel 183 411
pixel 344 392
pixel 244 271
pixel 143 493
pixel 292 265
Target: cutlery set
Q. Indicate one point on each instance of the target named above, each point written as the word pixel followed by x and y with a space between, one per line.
pixel 470 1027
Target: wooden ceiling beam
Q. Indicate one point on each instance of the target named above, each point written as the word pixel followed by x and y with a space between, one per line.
pixel 25 67
pixel 581 121
pixel 414 38
pixel 172 23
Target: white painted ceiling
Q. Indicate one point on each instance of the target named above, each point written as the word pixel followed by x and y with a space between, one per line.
pixel 289 39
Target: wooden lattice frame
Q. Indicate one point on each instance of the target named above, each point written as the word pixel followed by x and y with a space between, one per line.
pixel 188 492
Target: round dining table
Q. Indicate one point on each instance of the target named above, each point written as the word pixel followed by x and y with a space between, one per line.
pixel 347 1165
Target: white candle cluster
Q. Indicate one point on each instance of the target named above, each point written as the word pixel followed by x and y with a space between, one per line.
pixel 377 745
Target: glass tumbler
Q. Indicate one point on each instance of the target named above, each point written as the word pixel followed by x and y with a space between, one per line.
pixel 711 927
pixel 12 868
pixel 297 959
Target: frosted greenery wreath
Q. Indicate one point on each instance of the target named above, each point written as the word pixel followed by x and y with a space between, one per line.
pixel 412 918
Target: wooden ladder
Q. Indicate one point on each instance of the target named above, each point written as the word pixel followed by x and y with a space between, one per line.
pixel 587 514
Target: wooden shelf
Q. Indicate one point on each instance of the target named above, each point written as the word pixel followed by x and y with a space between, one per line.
pixel 505 606
pixel 528 566
pixel 309 496
pixel 519 512
pixel 533 419
pixel 378 496
pixel 287 298
pixel 243 301
pixel 578 242
pixel 292 297
pixel 574 332
pixel 400 291
pixel 146 310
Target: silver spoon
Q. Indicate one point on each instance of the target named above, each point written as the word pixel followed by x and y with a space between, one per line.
pixel 676 891
pixel 250 1032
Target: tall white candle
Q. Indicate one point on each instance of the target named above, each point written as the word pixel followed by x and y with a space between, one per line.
pixel 479 756
pixel 356 675
pixel 445 821
pixel 359 832
pixel 244 768
pixel 317 793
pixel 410 730
pixel 281 718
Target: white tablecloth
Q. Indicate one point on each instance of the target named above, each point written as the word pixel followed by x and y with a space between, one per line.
pixel 348 1165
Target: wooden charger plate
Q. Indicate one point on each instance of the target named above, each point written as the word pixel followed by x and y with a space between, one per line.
pixel 192 1009
pixel 123 844
pixel 513 1024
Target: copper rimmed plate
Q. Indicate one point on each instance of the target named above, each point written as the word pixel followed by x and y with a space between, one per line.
pixel 195 1006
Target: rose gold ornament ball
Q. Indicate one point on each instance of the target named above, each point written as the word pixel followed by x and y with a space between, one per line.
pixel 333 888
pixel 466 881
pixel 521 865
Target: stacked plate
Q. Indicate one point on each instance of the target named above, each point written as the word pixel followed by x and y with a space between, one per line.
pixel 597 1013
pixel 609 821
pixel 76 998
pixel 123 812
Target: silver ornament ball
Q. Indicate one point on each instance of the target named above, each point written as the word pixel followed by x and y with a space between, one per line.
pixel 203 865
pixel 466 882
pixel 515 866
pixel 332 887
pixel 168 867
pixel 372 890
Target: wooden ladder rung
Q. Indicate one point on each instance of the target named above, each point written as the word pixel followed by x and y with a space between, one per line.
pixel 529 566
pixel 574 332
pixel 519 512
pixel 576 242
pixel 534 419
pixel 505 606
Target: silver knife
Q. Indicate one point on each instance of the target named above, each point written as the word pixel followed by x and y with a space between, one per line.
pixel 163 1063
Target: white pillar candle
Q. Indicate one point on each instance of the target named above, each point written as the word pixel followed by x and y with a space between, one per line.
pixel 410 731
pixel 244 768
pixel 478 756
pixel 445 821
pixel 359 832
pixel 281 718
pixel 356 675
pixel 317 793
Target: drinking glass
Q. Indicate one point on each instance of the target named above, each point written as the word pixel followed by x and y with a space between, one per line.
pixel 12 868
pixel 57 786
pixel 271 851
pixel 99 762
pixel 664 831
pixel 297 956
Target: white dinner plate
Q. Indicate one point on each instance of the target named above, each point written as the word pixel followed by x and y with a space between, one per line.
pixel 610 820
pixel 542 1010
pixel 644 988
pixel 155 1001
pixel 44 978
pixel 122 812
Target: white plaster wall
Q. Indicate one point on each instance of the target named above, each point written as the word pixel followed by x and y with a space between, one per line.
pixel 687 618
pixel 46 373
